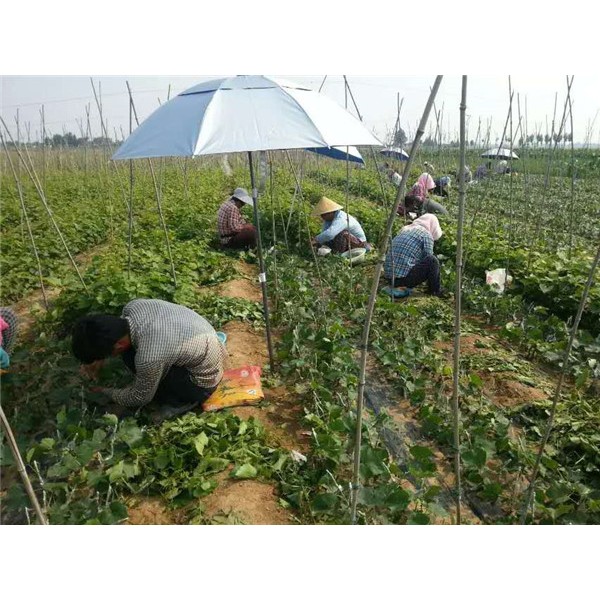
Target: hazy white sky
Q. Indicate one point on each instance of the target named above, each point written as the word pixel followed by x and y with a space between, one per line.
pixel 65 100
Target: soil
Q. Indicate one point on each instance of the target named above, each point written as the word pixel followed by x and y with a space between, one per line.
pixel 245 346
pixel 152 511
pixel 508 392
pixel 239 288
pixel 249 502
pixel 281 418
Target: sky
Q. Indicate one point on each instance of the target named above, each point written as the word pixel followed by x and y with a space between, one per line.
pixel 65 100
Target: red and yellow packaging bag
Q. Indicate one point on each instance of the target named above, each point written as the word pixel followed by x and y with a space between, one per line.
pixel 238 387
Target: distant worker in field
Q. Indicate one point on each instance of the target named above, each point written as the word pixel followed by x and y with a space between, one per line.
pixel 8 334
pixel 502 167
pixel 410 260
pixel 340 232
pixel 483 171
pixel 418 200
pixel 442 186
pixel 468 175
pixel 234 231
pixel 174 353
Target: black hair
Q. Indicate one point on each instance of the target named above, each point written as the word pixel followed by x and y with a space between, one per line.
pixel 411 202
pixel 94 336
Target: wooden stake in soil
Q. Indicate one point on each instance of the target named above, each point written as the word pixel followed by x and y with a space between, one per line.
pixel 33 176
pixel 373 296
pixel 457 299
pixel 584 297
pixel 26 217
pixel 262 275
pixel 158 196
pixel 21 468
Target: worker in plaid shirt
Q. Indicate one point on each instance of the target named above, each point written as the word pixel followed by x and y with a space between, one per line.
pixel 234 231
pixel 411 261
pixel 174 353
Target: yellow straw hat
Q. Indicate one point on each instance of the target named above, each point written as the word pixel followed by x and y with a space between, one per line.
pixel 325 205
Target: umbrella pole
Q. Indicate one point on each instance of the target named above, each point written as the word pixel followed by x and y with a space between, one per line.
pixel 262 277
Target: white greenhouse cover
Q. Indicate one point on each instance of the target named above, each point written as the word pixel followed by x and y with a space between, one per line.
pixel 241 114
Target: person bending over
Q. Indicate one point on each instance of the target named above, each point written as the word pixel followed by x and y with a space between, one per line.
pixel 411 261
pixel 173 352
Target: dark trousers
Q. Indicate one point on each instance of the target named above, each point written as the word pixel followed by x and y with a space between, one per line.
pixel 344 241
pixel 176 387
pixel 245 238
pixel 426 270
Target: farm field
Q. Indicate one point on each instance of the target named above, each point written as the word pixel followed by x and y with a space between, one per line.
pixel 289 459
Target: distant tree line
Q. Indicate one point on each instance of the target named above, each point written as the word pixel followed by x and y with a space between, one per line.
pixel 69 140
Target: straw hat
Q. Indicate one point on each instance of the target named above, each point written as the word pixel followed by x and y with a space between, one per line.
pixel 325 205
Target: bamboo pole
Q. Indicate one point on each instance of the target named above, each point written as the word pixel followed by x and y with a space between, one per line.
pixel 26 217
pixel 131 182
pixel 457 299
pixel 157 194
pixel 33 176
pixel 567 354
pixel 572 209
pixel 262 275
pixel 21 468
pixel 373 296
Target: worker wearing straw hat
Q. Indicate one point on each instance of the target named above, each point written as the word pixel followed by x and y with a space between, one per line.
pixel 340 232
pixel 234 231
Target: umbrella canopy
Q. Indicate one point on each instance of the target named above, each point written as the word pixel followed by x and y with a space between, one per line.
pixel 499 153
pixel 244 114
pixel 396 153
pixel 340 153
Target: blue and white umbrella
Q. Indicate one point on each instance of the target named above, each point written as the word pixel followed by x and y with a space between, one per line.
pixel 247 113
pixel 244 114
pixel 396 153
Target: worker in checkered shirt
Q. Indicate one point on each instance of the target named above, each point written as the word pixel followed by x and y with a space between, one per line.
pixel 175 354
pixel 234 231
pixel 410 261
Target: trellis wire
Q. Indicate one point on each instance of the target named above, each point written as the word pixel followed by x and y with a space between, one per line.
pixel 567 354
pixel 26 218
pixel 457 300
pixel 21 468
pixel 373 296
pixel 33 176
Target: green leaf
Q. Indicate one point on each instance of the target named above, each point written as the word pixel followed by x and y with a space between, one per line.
pixel 200 442
pixel 476 456
pixel 243 428
pixel 324 503
pixel 418 518
pixel 421 452
pixel 246 471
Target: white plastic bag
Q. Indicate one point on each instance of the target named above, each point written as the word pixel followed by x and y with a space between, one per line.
pixel 498 280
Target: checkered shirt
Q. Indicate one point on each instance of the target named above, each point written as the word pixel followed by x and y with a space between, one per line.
pixel 9 335
pixel 408 248
pixel 230 220
pixel 165 335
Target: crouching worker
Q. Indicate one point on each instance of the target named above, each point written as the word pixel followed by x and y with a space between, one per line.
pixel 234 231
pixel 410 260
pixel 173 352
pixel 340 232
pixel 8 334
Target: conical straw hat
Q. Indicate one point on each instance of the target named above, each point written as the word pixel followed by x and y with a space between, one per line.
pixel 325 205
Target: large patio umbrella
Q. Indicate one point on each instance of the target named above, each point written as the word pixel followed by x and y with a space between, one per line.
pixel 500 153
pixel 353 155
pixel 396 153
pixel 247 113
